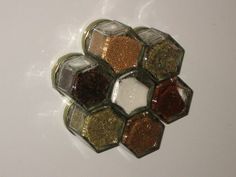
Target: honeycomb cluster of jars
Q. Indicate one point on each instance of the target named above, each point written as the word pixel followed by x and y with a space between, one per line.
pixel 124 88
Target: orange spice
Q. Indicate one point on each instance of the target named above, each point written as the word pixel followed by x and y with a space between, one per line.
pixel 121 52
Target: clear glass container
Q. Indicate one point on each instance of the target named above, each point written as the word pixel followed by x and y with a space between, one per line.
pixel 171 99
pixel 131 91
pixel 143 134
pixel 115 43
pixel 163 55
pixel 83 79
pixel 102 127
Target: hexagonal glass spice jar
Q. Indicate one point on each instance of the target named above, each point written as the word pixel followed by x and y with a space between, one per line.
pixel 131 91
pixel 102 127
pixel 83 79
pixel 163 55
pixel 171 99
pixel 113 42
pixel 142 134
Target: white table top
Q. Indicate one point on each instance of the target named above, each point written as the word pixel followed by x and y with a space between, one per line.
pixel 34 142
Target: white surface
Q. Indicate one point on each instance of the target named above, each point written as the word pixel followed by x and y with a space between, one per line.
pixel 34 142
pixel 130 94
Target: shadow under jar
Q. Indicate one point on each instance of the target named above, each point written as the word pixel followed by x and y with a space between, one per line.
pixel 113 42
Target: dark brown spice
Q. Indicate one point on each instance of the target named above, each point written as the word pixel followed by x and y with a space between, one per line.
pixel 167 101
pixel 90 88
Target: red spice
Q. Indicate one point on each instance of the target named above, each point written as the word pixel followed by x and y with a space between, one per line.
pixel 167 101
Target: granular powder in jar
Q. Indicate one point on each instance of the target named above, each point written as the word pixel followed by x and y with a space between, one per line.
pixel 122 52
pixel 142 134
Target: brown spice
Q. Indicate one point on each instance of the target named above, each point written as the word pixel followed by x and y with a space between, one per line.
pixel 142 134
